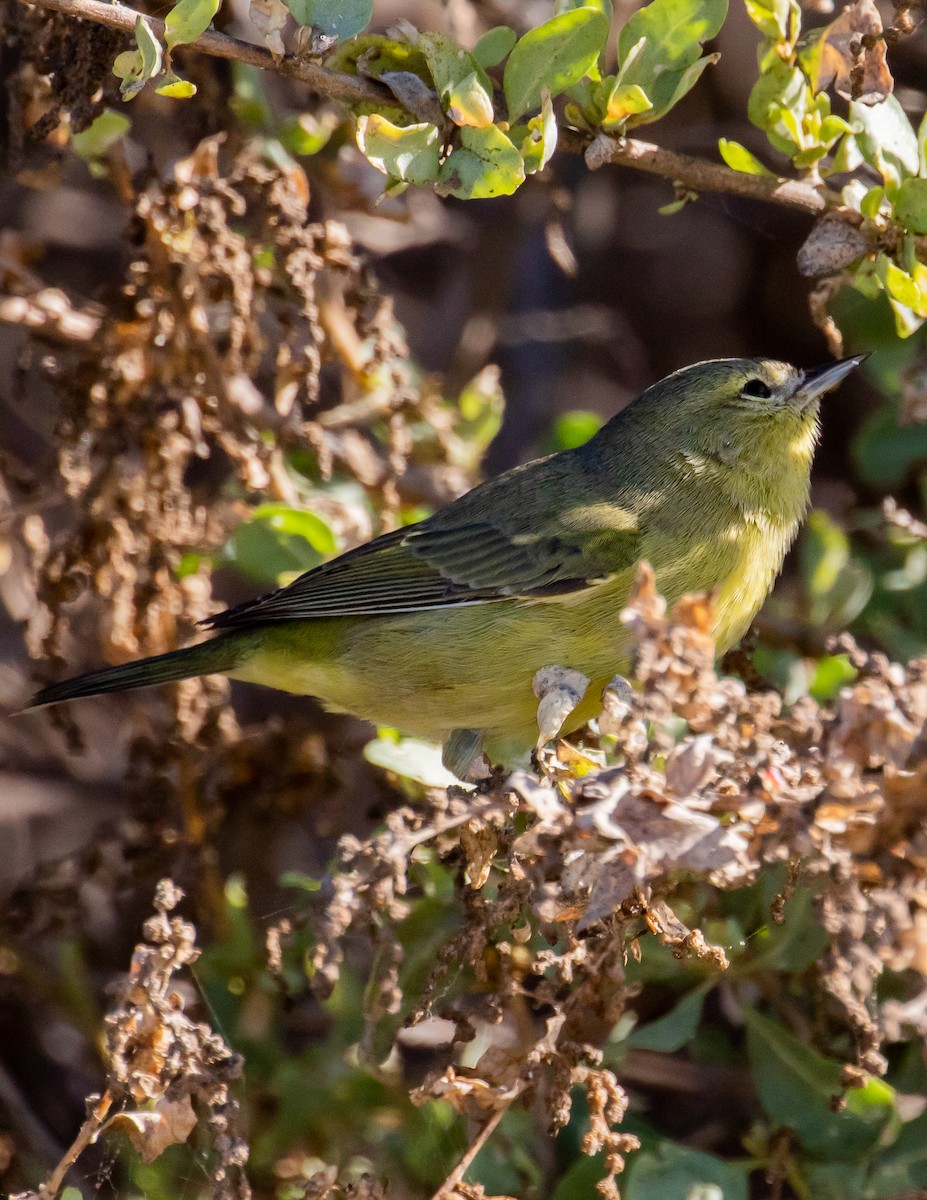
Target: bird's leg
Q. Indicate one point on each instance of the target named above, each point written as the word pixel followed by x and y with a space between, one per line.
pixel 461 751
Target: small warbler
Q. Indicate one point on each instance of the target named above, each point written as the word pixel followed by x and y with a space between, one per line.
pixel 439 628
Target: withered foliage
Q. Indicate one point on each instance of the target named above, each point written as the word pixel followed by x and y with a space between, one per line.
pixel 243 331
pixel 157 1057
pixel 559 878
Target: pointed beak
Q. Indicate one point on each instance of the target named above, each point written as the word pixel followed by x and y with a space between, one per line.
pixel 819 380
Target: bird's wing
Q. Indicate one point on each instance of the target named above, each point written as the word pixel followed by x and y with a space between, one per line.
pixel 442 563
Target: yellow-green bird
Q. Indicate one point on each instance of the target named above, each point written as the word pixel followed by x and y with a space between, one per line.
pixel 439 628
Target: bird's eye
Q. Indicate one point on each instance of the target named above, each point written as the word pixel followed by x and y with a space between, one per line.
pixel 756 388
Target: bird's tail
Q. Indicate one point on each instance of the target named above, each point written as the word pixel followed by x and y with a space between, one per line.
pixel 214 657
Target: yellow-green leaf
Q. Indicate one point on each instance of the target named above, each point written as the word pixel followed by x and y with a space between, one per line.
pixel 486 164
pixel 468 103
pixel 410 153
pixel 188 20
pixel 624 101
pixel 739 158
pixel 102 133
pixel 176 88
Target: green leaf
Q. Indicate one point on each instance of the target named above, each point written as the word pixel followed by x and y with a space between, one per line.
pixel 494 45
pixel 780 90
pixel 540 140
pixel 410 153
pixel 676 1028
pixel 337 19
pixel 772 19
pixel 136 67
pixel 307 134
pixel 739 158
pixel 673 32
pixel 886 140
pixel 278 540
pixel 480 404
pixel 673 86
pixel 188 20
pixel 832 672
pixel 871 203
pixel 101 134
pixel 572 429
pixel 903 1166
pixel 554 56
pixel 176 88
pixel 669 1171
pixel 910 205
pixel 797 1086
pixel 824 552
pixel 486 164
pixel 899 284
pixel 886 452
pixel 451 67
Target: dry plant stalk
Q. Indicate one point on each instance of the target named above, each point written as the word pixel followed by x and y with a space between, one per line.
pixel 166 1073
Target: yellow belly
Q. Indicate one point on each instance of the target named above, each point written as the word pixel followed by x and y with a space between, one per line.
pixel 471 667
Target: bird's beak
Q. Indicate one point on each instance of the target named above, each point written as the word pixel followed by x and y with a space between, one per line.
pixel 819 380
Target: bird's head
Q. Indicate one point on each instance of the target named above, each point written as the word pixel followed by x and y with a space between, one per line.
pixel 755 414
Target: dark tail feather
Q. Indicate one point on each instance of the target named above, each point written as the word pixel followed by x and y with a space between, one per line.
pixel 208 658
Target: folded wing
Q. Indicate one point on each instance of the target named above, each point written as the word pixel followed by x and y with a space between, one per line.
pixel 440 563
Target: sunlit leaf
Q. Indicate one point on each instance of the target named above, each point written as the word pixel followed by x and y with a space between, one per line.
pixel 625 100
pixel 486 164
pixel 886 139
pixel 410 153
pixel 553 56
pixel 176 88
pixel 739 158
pixel 411 758
pixel 188 20
pixel 469 103
pixel 667 65
pixel 452 68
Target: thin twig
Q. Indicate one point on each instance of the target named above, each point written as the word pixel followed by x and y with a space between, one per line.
pixel 447 1188
pixel 87 1134
pixel 337 84
pixel 690 173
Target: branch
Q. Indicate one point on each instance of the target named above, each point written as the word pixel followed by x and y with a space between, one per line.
pixel 693 174
pixel 701 175
pixel 336 84
pixel 448 1188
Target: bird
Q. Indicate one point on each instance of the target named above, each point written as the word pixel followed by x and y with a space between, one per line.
pixel 438 628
